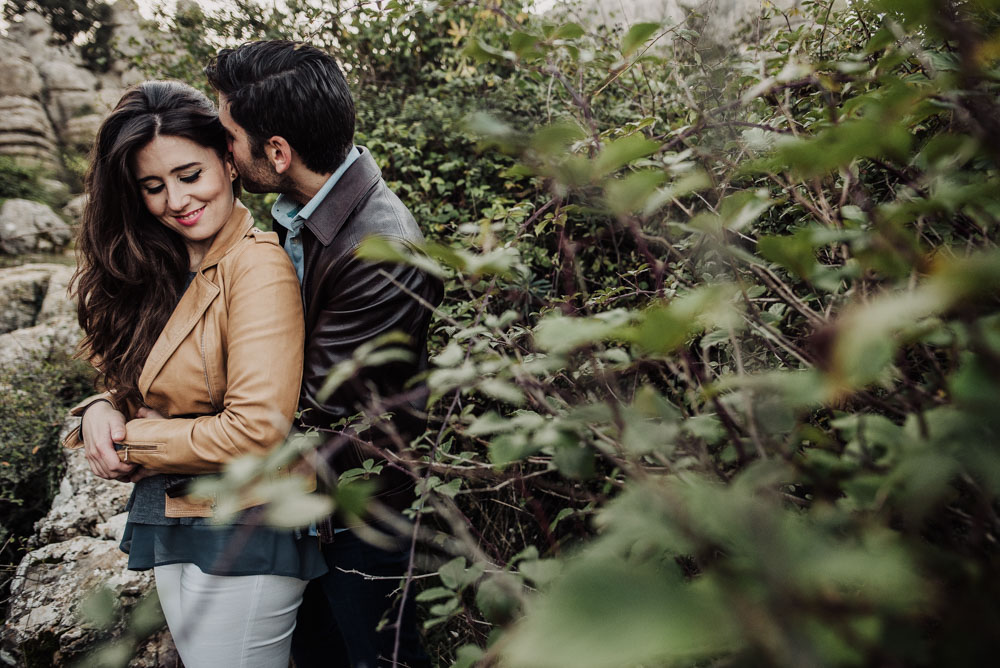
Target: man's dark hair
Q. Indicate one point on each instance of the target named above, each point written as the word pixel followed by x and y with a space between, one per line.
pixel 292 90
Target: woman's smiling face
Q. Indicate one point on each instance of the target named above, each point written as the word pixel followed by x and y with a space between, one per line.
pixel 188 188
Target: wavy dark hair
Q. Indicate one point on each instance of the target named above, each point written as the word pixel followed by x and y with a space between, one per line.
pixel 131 268
pixel 292 90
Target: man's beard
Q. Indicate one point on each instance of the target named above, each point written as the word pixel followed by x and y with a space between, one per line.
pixel 259 177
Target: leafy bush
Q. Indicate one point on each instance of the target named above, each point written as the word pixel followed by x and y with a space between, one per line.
pixel 716 377
pixel 20 181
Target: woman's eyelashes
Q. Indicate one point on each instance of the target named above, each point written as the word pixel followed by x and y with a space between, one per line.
pixel 186 178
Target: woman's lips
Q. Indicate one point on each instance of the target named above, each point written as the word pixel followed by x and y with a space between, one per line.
pixel 189 219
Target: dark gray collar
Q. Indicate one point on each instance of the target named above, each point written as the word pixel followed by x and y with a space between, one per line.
pixel 326 221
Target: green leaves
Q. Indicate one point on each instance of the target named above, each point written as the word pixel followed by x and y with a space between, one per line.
pixel 868 335
pixel 638 35
pixel 717 356
pixel 606 613
pixel 621 152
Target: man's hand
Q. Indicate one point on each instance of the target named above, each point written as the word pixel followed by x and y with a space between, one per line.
pixel 102 427
pixel 148 414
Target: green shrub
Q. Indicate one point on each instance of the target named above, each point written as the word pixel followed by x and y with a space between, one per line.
pixel 36 394
pixel 715 377
pixel 20 181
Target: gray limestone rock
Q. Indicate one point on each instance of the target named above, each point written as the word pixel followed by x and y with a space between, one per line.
pixel 58 304
pixel 28 227
pixel 48 616
pixel 74 208
pixel 75 553
pixel 79 132
pixel 22 290
pixel 35 294
pixel 60 75
pixel 85 505
pixel 60 335
pixel 18 75
pixel 25 131
pixel 73 102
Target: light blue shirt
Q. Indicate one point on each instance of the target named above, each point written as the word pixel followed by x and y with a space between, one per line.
pixel 292 216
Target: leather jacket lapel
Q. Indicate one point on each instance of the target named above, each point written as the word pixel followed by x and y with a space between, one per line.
pixel 196 299
pixel 329 216
pixel 193 304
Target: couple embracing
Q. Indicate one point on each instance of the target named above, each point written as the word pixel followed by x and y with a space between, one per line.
pixel 213 337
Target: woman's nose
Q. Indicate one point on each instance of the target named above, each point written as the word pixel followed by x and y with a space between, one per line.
pixel 177 199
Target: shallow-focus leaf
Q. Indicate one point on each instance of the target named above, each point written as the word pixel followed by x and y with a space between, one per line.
pixel 638 35
pixel 632 192
pixel 620 152
pixel 609 613
pixel 497 599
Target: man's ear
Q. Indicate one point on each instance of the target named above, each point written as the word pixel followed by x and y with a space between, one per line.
pixel 279 153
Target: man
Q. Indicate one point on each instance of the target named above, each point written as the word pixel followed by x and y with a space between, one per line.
pixel 290 117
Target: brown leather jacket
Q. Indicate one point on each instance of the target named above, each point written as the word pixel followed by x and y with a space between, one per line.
pixel 349 302
pixel 231 354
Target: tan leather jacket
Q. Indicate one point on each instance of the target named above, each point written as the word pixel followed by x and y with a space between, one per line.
pixel 230 354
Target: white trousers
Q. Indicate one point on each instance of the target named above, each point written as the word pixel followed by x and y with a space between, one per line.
pixel 220 621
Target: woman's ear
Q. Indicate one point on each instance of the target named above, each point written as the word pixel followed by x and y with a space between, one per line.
pixel 231 166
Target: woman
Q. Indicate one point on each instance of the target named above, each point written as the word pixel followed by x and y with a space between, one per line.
pixel 194 320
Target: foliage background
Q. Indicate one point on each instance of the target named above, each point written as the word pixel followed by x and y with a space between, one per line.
pixel 716 376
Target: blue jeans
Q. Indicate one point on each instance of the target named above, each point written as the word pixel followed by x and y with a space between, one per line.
pixel 340 611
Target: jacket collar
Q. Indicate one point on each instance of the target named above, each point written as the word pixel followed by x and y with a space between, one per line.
pixel 197 298
pixel 235 228
pixel 326 221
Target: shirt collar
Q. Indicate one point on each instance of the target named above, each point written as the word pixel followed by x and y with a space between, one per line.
pixel 291 215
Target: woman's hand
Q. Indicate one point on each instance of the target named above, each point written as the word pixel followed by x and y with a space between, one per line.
pixel 148 414
pixel 101 428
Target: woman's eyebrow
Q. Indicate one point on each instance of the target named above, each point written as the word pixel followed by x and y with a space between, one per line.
pixel 180 168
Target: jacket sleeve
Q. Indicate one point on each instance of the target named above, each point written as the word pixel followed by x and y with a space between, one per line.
pixel 263 343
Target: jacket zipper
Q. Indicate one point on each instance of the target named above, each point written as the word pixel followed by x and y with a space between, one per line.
pixel 128 447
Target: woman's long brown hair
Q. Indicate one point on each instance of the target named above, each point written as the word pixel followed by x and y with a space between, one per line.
pixel 131 268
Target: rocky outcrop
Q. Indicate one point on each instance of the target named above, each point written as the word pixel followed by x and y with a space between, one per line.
pixel 37 316
pixel 74 104
pixel 22 290
pixel 49 101
pixel 25 131
pixel 31 227
pixel 73 210
pixel 52 616
pixel 85 505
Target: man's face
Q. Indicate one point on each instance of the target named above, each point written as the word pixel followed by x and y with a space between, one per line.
pixel 256 171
